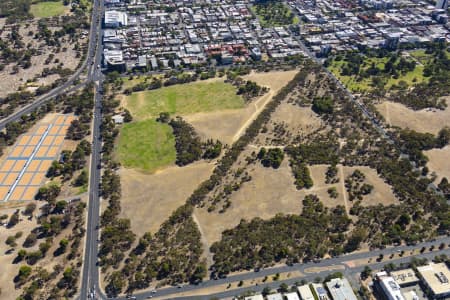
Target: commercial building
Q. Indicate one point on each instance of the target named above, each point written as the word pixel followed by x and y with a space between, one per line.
pixel 436 278
pixel 255 297
pixel 276 296
pixel 320 291
pixel 305 292
pixel 291 296
pixel 340 289
pixel 405 277
pixel 387 286
pixel 115 19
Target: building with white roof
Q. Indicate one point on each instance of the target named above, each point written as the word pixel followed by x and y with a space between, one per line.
pixel 305 292
pixel 389 286
pixel 255 297
pixel 291 296
pixel 340 289
pixel 436 277
pixel 276 296
pixel 115 19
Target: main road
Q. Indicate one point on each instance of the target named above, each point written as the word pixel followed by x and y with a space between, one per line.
pixel 90 273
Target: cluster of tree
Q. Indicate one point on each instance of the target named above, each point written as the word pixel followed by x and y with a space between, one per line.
pixel 301 174
pixel 249 89
pixel 323 150
pixel 283 238
pixel 356 187
pixel 413 143
pixel 323 105
pixel 71 162
pixel 187 142
pixel 273 13
pixel 331 174
pixel 172 255
pixel 15 10
pixel 81 104
pixel 428 94
pixel 271 158
pixel 60 282
pixel 188 145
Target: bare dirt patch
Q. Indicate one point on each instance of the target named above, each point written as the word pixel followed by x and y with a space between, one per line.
pixel 439 162
pixel 424 120
pixel 149 199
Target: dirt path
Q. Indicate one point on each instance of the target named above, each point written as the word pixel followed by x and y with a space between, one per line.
pixel 206 251
pixel 343 190
pixel 259 105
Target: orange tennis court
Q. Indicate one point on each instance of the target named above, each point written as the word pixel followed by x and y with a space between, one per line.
pixel 23 171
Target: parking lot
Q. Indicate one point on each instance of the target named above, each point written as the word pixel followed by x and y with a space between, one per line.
pixel 23 171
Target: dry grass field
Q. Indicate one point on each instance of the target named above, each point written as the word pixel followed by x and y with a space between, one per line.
pixel 9 270
pixel 382 192
pixel 272 191
pixel 149 199
pixel 439 162
pixel 425 120
pixel 232 123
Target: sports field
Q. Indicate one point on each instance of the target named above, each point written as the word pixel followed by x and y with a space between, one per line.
pixel 203 96
pixel 48 9
pixel 23 171
pixel 146 145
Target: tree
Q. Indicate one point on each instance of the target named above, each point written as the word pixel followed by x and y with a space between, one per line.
pixel 127 117
pixel 14 219
pixel 11 241
pixel 82 179
pixel 30 240
pixel 366 272
pixel 29 209
pixel 323 105
pixel 284 288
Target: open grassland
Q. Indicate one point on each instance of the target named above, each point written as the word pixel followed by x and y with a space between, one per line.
pixel 365 84
pixel 184 99
pixel 48 9
pixel 146 145
pixel 424 120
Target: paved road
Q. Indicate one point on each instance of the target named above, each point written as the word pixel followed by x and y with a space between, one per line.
pixel 90 272
pixel 171 291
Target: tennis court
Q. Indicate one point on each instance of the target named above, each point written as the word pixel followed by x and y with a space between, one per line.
pixel 23 171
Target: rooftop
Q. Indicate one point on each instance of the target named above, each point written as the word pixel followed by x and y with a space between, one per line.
pixel 405 276
pixel 437 277
pixel 340 289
